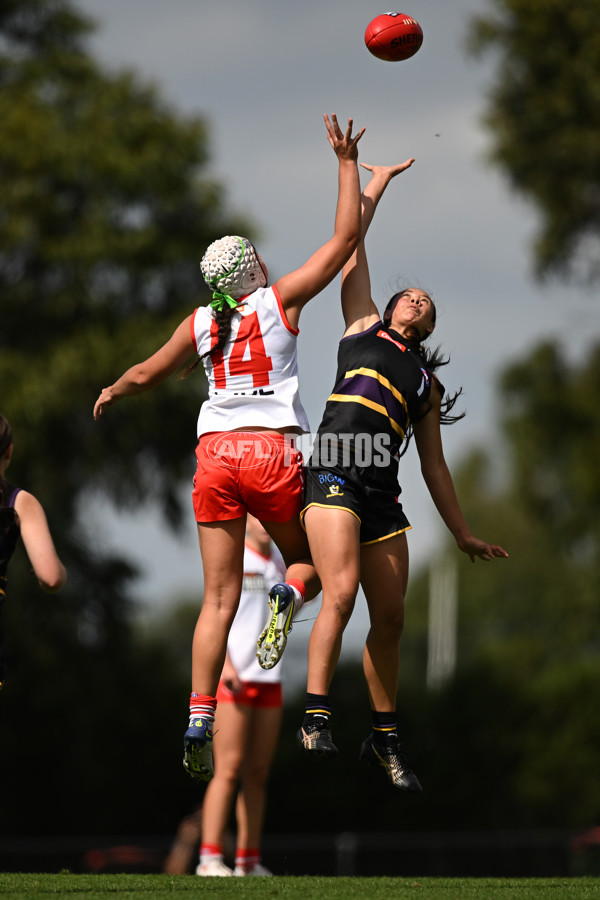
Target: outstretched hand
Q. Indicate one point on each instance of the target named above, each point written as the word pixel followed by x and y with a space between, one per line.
pixel 388 172
pixel 475 548
pixel 105 399
pixel 344 145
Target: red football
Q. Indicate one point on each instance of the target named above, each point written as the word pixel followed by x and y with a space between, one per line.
pixel 393 36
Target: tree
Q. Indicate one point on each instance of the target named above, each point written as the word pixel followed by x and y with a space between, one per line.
pixel 104 209
pixel 511 741
pixel 102 219
pixel 529 668
pixel 105 206
pixel 544 117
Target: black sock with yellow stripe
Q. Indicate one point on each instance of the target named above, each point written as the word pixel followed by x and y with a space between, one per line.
pixel 317 710
pixel 385 727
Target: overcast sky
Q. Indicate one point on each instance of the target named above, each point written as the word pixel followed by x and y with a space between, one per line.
pixel 263 72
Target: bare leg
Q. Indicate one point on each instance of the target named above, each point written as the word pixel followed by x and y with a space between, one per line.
pixel 231 733
pixel 185 846
pixel 222 549
pixel 293 545
pixel 261 743
pixel 284 603
pixel 334 544
pixel 384 577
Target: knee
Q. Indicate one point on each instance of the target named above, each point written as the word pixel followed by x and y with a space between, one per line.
pixel 221 604
pixel 340 606
pixel 388 630
pixel 228 769
pixel 255 777
pixel 396 624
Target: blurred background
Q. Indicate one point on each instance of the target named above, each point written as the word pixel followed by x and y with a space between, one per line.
pixel 132 135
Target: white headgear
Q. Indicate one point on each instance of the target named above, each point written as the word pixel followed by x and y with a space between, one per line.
pixel 231 266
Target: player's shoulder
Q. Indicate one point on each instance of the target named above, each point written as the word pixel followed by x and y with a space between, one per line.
pixel 263 299
pixel 27 504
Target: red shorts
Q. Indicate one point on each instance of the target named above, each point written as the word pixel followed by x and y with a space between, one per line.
pixel 259 694
pixel 247 471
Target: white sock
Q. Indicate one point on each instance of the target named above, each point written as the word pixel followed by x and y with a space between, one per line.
pixel 298 600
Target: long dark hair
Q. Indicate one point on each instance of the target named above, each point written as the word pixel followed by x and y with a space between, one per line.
pixel 431 358
pixel 223 319
pixel 6 439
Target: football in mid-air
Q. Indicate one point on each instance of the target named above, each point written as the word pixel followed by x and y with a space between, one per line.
pixel 393 36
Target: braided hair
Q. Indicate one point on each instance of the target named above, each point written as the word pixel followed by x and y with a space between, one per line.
pixel 223 318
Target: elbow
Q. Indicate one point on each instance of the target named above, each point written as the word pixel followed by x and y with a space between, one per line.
pixel 54 581
pixel 353 240
pixel 430 477
pixel 141 379
pixel 348 245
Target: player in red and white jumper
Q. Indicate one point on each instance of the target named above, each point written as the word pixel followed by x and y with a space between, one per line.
pixel 247 343
pixel 247 722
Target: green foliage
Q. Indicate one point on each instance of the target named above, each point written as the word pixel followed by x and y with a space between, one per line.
pixel 105 208
pixel 544 116
pixel 104 212
pixel 511 741
pixel 517 723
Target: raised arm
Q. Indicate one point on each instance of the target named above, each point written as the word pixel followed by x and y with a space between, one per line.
pixel 441 487
pixel 146 375
pixel 357 305
pixel 301 285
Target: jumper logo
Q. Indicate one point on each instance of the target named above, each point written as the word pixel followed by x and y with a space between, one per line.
pixel 334 491
pixel 253 581
pixel 385 335
pixel 258 393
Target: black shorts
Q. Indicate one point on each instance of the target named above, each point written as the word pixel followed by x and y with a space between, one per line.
pixel 379 512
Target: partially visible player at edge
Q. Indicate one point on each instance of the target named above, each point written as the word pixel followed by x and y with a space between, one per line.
pixel 22 515
pixel 247 723
pixel 386 387
pixel 246 340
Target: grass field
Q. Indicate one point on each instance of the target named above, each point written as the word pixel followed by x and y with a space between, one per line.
pixel 156 887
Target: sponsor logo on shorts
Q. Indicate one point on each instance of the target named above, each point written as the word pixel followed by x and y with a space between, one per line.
pixel 329 478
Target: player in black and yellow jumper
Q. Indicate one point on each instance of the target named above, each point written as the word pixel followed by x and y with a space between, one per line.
pixel 386 389
pixel 22 515
pixel 381 387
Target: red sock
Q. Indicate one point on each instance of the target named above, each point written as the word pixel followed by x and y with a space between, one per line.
pixel 203 706
pixel 209 852
pixel 247 857
pixel 299 585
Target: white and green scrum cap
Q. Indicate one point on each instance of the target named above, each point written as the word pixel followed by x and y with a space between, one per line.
pixel 231 266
